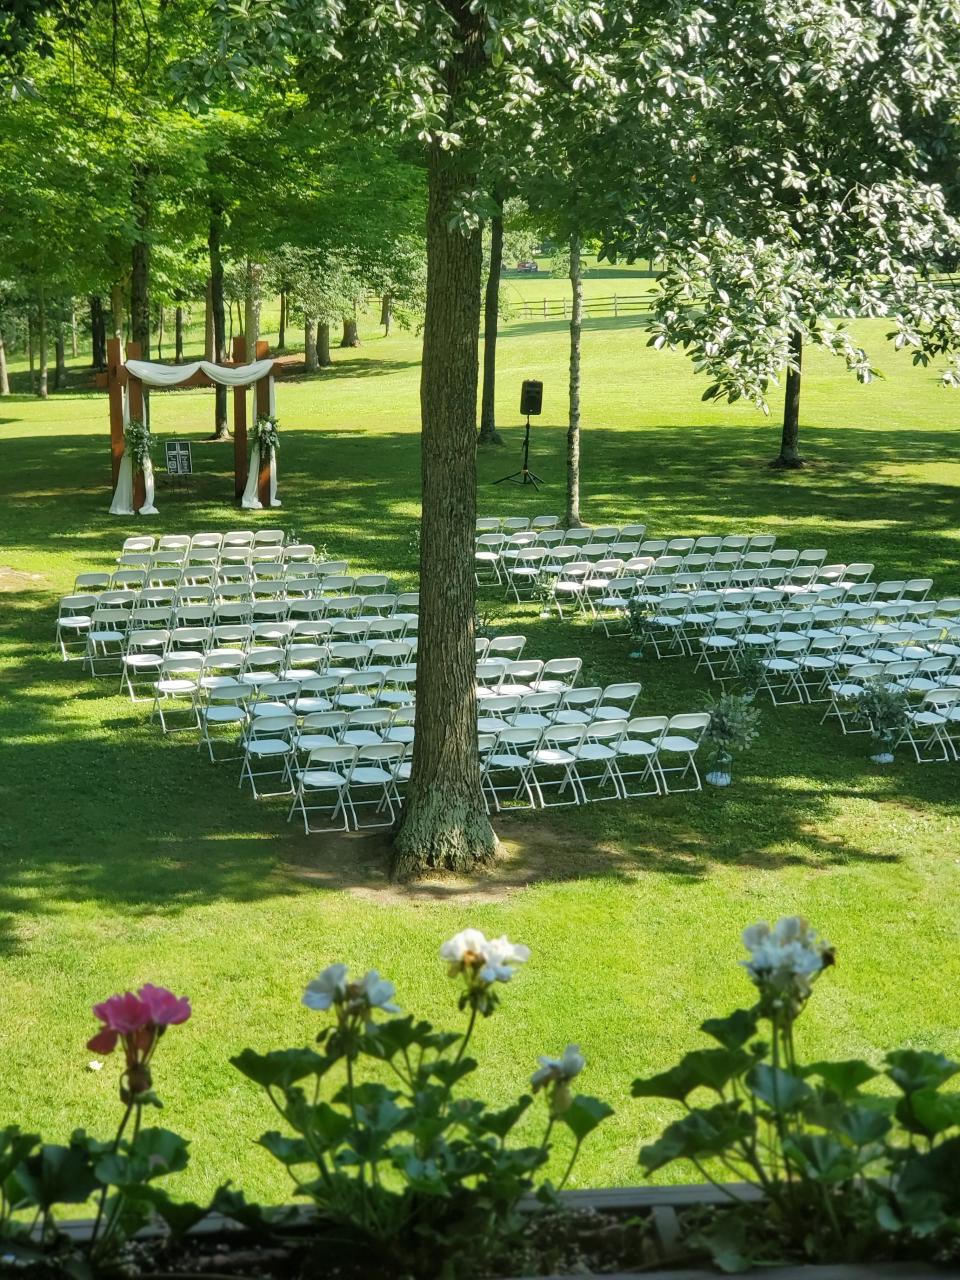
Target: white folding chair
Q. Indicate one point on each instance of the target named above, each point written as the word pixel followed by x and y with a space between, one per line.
pixel 326 773
pixel 638 746
pixel 681 740
pixel 269 753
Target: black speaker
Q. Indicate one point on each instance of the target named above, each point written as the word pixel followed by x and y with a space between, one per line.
pixel 531 399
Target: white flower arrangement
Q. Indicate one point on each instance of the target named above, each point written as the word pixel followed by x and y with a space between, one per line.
pixel 786 959
pixel 352 999
pixel 266 435
pixel 482 961
pixel 139 442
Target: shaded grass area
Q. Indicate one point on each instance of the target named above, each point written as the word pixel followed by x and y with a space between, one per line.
pixel 126 858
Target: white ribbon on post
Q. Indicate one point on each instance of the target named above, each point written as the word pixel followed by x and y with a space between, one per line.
pixel 122 504
pixel 251 499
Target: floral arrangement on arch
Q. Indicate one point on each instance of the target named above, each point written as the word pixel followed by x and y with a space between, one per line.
pixel 266 436
pixel 139 442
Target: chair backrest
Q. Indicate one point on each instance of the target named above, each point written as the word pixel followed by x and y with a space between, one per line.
pixel 506 646
pixel 691 723
pixel 563 735
pixel 489 524
pixel 279 725
pixel 517 739
pixel 584 698
pixel 646 726
pixel 566 669
pixel 515 523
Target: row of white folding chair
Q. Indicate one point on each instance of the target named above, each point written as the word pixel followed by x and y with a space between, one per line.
pixel 281 608
pixel 932 729
pixel 183 541
pixel 935 716
pixel 349 778
pixel 322 578
pixel 497 676
pixel 571 759
pixel 493 524
pixel 646 584
pixel 819 669
pixel 670 552
pixel 215 556
pixel 546 705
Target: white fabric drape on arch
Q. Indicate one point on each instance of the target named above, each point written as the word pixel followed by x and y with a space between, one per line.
pixel 171 375
pixel 251 496
pixel 122 504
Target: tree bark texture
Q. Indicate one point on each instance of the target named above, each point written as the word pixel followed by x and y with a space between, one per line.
pixel 60 365
pixel 98 332
pixel 160 332
pixel 214 238
pixel 116 311
pixel 310 342
pixel 4 373
pixel 491 318
pixel 178 335
pixel 208 338
pixel 282 334
pixel 251 306
pixel 140 265
pixel 444 825
pixel 42 345
pixel 73 329
pixel 31 351
pixel 573 426
pixel 350 336
pixel 386 313
pixel 324 359
pixel 789 456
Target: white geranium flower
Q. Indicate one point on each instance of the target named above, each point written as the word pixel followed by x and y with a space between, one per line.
pixel 563 1069
pixel 501 956
pixel 790 953
pixel 378 993
pixel 463 949
pixel 488 960
pixel 328 988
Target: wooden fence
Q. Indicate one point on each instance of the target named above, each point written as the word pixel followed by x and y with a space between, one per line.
pixel 614 304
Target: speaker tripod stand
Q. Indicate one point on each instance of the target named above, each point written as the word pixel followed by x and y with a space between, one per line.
pixel 524 475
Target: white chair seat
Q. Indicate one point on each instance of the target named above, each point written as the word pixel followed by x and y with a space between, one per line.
pixel 308 741
pixel 551 755
pixel 530 720
pixel 506 760
pixel 224 715
pixel 143 660
pixel 176 686
pixel 307 706
pixel 594 751
pixel 268 747
pixel 323 778
pixel 490 724
pixel 76 623
pixel 572 717
pixel 636 747
pixel 610 713
pixel 402 733
pixel 780 664
pixel 929 718
pixel 677 743
pixel 815 662
pixel 720 642
pixel 101 637
pixel 369 775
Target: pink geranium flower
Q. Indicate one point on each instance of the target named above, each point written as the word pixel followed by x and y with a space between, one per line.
pixel 138 1021
pixel 165 1009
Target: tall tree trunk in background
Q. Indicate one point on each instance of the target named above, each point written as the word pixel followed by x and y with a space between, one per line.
pixel 73 329
pixel 178 334
pixel 116 310
pixel 214 237
pixel 98 332
pixel 282 327
pixel 4 374
pixel 386 313
pixel 208 338
pixel 573 428
pixel 789 456
pixel 60 365
pixel 491 318
pixel 140 265
pixel 324 359
pixel 42 344
pixel 310 342
pixel 31 352
pixel 160 332
pixel 251 307
pixel 444 824
pixel 350 336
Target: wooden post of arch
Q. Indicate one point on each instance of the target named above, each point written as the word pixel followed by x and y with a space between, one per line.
pixel 240 458
pixel 263 411
pixel 136 406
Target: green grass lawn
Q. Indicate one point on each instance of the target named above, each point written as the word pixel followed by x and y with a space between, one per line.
pixel 127 858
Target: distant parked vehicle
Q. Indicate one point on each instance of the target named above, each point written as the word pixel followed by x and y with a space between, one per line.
pixel 529 268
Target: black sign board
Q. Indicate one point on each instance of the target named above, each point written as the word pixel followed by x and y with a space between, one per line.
pixel 179 458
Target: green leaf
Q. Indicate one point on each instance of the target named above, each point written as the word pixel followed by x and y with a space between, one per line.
pixel 179 1216
pixel 57 1175
pixel 708 1131
pixel 282 1067
pixel 500 1123
pixel 584 1114
pixel 703 1068
pixel 781 1090
pixel 821 1158
pixel 15 1146
pixel 289 1151
pixel 913 1069
pixel 327 1126
pixel 863 1126
pixel 734 1031
pixel 152 1154
pixel 935 1111
pixel 843 1078
pixel 449 1073
pixel 936 1172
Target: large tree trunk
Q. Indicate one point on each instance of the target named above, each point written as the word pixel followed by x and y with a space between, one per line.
pixel 282 334
pixel 324 358
pixel 73 329
pixel 444 824
pixel 386 313
pixel 140 264
pixel 573 428
pixel 214 236
pixel 98 332
pixel 31 351
pixel 310 342
pixel 160 332
pixel 251 308
pixel 42 343
pixel 4 374
pixel 208 335
pixel 116 310
pixel 789 455
pixel 491 317
pixel 350 336
pixel 60 366
pixel 178 334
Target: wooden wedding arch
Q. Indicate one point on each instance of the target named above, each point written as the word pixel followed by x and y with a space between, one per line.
pixel 119 377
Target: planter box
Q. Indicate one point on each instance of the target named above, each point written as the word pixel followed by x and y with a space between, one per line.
pixel 662 1204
